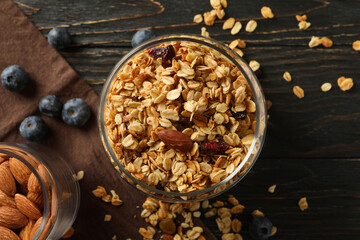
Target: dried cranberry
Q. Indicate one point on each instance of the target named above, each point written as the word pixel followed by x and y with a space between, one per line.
pixel 213 147
pixel 182 124
pixel 239 115
pixel 166 54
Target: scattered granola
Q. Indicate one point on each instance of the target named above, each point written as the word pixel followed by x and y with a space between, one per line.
pixel 266 12
pixel 204 32
pixel 345 84
pixel 303 25
pixel 251 26
pixel 99 192
pixel 236 28
pixel 254 65
pixel 314 42
pixel 287 76
pixel 326 42
pixel 209 17
pixel 271 189
pixel 298 91
pixel 257 213
pixel 79 176
pixel 356 45
pixel 301 18
pixel 303 203
pixel 229 23
pixel 107 218
pixel 325 87
pixel 198 18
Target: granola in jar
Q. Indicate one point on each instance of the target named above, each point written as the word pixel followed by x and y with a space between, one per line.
pixel 180 116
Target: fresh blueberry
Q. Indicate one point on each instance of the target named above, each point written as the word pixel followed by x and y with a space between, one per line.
pixel 260 228
pixel 14 78
pixel 142 36
pixel 75 112
pixel 33 128
pixel 50 106
pixel 59 37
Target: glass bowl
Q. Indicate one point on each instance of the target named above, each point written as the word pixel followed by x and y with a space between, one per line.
pixel 253 151
pixel 57 195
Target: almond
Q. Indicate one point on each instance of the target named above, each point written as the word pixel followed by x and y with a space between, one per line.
pixel 5 200
pixel 36 198
pixel 12 218
pixel 2 159
pixel 33 184
pixel 20 171
pixel 176 139
pixel 7 234
pixel 25 232
pixel 26 207
pixel 35 228
pixel 7 181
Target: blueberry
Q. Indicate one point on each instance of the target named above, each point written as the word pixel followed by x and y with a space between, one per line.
pixel 59 37
pixel 14 78
pixel 142 36
pixel 50 106
pixel 75 112
pixel 33 128
pixel 260 228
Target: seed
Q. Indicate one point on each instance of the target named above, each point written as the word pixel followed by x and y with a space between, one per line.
pixel 236 29
pixel 298 91
pixel 251 26
pixel 356 45
pixel 287 76
pixel 326 87
pixel 266 12
pixel 198 18
pixel 229 23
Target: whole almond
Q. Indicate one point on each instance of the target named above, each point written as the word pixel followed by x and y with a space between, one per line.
pixel 33 184
pixel 5 200
pixel 20 171
pixel 7 234
pixel 35 228
pixel 12 218
pixel 7 181
pixel 26 207
pixel 176 139
pixel 25 232
pixel 2 159
pixel 36 198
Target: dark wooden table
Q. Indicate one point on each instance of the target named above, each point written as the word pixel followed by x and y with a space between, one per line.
pixel 312 144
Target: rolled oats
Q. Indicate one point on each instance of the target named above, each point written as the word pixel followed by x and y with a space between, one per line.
pixel 271 189
pixel 251 26
pixel 345 84
pixel 356 45
pixel 326 42
pixel 303 205
pixel 257 213
pixel 236 225
pixel 298 91
pixel 236 28
pixel 209 18
pixel 215 3
pixel 198 18
pixel 266 12
pixel 287 76
pixel 229 23
pixel 224 3
pixel 325 87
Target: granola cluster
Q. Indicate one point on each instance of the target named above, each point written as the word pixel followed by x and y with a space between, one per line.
pixel 201 95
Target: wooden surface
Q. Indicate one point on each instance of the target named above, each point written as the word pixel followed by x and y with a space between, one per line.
pixel 312 144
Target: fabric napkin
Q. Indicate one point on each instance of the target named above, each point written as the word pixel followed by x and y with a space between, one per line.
pixel 22 44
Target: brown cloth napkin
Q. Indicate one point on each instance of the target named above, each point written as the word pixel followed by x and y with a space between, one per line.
pixel 22 44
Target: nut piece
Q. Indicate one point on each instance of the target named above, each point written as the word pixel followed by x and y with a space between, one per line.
pixel 12 218
pixel 19 170
pixel 326 87
pixel 345 83
pixel 229 23
pixel 209 18
pixel 176 139
pixel 266 12
pixel 7 181
pixel 356 45
pixel 236 29
pixel 7 234
pixel 26 207
pixel 198 18
pixel 298 91
pixel 251 26
pixel 303 203
pixel 287 76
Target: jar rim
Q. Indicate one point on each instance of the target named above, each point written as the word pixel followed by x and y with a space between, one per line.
pixel 261 113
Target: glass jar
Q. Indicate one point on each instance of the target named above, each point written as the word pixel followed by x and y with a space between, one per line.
pixel 253 151
pixel 51 187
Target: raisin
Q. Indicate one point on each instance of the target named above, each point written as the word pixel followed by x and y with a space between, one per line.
pixel 239 115
pixel 213 147
pixel 166 54
pixel 182 124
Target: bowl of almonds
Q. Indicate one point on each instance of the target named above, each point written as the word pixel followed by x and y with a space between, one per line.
pixel 39 197
pixel 182 117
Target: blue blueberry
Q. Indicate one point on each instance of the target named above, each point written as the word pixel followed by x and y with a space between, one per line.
pixel 75 112
pixel 33 128
pixel 50 106
pixel 142 36
pixel 14 78
pixel 260 228
pixel 59 37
